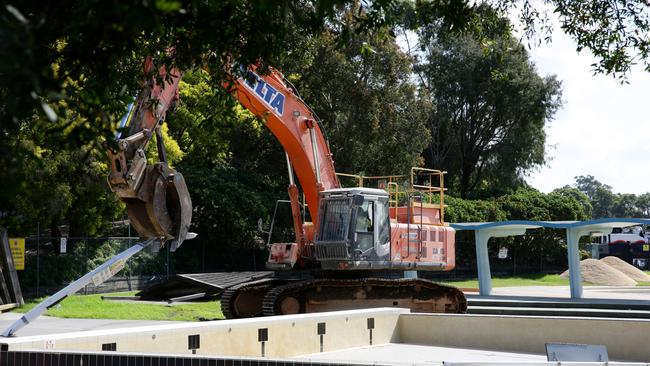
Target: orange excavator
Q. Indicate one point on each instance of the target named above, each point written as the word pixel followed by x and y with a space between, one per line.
pixel 356 236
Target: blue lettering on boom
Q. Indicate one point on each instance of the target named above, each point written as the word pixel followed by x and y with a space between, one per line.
pixel 266 93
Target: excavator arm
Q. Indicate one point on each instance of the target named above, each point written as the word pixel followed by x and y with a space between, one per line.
pixel 274 99
pixel 156 196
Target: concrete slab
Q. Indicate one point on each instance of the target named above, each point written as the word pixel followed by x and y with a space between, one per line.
pixel 589 292
pixel 410 354
pixel 52 325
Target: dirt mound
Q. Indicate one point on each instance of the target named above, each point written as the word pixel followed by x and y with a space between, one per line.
pixel 600 273
pixel 628 269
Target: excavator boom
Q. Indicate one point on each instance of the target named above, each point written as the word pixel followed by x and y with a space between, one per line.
pixel 273 98
pixel 156 196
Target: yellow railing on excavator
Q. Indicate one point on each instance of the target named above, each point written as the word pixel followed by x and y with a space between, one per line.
pixel 425 180
pixel 431 174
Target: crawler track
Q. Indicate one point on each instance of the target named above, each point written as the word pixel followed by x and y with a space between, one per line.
pixel 319 295
pixel 245 300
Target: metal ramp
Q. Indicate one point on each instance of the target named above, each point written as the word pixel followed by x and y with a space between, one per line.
pixel 193 283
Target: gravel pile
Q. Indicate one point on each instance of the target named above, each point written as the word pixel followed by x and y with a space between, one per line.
pixel 600 273
pixel 628 269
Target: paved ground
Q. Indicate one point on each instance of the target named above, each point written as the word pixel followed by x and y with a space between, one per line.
pixel 398 354
pixel 52 325
pixel 589 292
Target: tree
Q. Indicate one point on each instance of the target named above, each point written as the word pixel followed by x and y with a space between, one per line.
pixel 643 203
pixel 235 170
pixel 625 205
pixel 601 196
pixel 609 204
pixel 577 196
pixel 363 93
pixel 94 62
pixel 617 32
pixel 537 246
pixel 491 106
pixel 67 187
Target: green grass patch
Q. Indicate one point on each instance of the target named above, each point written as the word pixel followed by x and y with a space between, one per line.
pixel 93 307
pixel 521 280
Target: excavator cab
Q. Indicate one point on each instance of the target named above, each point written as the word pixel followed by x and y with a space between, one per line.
pixel 354 228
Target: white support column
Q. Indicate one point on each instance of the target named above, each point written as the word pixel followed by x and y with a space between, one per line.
pixel 483 262
pixel 575 279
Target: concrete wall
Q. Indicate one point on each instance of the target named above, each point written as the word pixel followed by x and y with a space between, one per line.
pixel 626 340
pixel 298 335
pixel 287 335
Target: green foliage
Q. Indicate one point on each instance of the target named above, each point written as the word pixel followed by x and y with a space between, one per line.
pixel 364 95
pixel 491 106
pixel 615 32
pixel 520 280
pixel 575 196
pixel 601 195
pixel 235 170
pixel 227 204
pixel 529 204
pixel 94 63
pixel 461 210
pixel 534 248
pixel 66 186
pixel 609 204
pixel 71 80
pixel 173 151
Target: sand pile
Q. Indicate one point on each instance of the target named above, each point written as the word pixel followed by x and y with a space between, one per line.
pixel 628 269
pixel 600 273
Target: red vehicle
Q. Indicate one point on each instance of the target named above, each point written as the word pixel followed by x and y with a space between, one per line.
pixel 355 233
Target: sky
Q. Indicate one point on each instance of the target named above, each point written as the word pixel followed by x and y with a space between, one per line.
pixel 603 127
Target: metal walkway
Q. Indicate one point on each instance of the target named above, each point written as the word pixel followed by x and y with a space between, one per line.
pixel 191 283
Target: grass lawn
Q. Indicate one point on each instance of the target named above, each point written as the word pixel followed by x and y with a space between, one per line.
pixel 522 280
pixel 93 307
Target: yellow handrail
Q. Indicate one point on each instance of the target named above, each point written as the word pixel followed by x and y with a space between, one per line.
pixel 392 185
pixel 359 178
pixel 440 189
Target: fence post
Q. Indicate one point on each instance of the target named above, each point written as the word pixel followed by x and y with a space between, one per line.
pixel 168 269
pixel 38 258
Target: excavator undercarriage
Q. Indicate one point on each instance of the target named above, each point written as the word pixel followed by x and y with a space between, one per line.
pixel 283 297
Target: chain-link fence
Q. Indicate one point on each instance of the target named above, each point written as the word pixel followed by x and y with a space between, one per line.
pixel 53 262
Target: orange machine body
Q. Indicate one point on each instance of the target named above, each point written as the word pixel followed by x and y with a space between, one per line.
pixel 418 236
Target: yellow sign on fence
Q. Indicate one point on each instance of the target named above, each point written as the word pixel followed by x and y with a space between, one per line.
pixel 17 246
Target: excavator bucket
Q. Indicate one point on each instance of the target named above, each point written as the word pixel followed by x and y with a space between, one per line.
pixel 163 208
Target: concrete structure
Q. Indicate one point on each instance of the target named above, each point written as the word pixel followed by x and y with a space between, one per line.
pixel 385 336
pixel 483 231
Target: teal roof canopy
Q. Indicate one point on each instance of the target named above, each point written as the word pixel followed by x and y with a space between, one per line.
pixel 597 224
